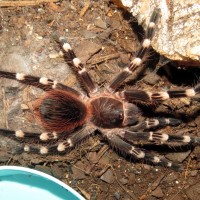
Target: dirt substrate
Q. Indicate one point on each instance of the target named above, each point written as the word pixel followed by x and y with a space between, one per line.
pixel 105 38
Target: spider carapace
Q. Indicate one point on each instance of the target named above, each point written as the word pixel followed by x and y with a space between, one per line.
pixel 110 111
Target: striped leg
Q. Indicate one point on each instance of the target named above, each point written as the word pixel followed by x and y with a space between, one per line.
pixel 145 96
pixel 151 136
pixel 79 67
pixel 155 123
pixel 135 152
pixel 140 55
pixel 40 82
pixel 19 134
pixel 60 147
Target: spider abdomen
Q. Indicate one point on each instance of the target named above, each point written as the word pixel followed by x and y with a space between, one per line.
pixel 107 112
pixel 60 111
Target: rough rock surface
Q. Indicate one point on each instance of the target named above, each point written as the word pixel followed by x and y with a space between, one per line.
pixel 177 35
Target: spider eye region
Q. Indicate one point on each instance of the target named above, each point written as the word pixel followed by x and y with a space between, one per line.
pixel 60 111
pixel 107 112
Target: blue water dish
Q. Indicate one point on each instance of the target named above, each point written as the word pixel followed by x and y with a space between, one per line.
pixel 22 183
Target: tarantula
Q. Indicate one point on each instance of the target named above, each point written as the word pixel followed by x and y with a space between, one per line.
pixel 112 112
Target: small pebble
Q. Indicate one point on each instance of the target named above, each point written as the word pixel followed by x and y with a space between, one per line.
pixel 157 193
pixel 4 157
pixel 194 173
pixel 117 195
pixel 108 176
pixel 100 23
pixel 44 169
pixel 178 156
pixel 78 174
pixel 57 171
pixel 123 180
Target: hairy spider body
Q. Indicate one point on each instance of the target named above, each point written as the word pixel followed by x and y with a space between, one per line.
pixel 107 112
pixel 111 111
pixel 60 111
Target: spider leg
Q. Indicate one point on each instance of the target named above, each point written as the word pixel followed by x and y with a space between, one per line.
pixel 137 62
pixel 136 152
pixel 144 96
pixel 80 68
pixel 19 134
pixel 132 136
pixel 60 147
pixel 155 123
pixel 40 82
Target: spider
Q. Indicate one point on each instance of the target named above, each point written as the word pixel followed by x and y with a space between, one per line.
pixel 113 112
